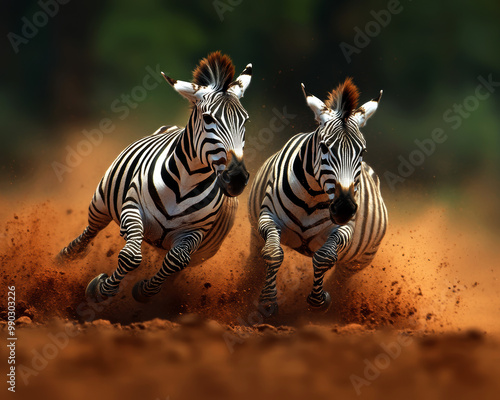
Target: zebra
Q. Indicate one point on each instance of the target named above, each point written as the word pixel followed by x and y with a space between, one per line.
pixel 175 189
pixel 317 196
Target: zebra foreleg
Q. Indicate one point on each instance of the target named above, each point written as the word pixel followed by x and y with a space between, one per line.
pixel 324 259
pixel 130 257
pixel 273 255
pixel 176 259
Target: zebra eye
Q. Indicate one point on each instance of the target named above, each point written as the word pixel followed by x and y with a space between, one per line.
pixel 208 119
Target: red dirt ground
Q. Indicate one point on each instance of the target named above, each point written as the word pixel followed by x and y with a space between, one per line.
pixel 421 321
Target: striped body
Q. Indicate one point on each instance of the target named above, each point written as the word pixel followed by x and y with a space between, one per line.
pixel 173 200
pixel 286 187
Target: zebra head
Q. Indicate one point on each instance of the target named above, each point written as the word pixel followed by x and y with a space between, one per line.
pixel 218 119
pixel 340 146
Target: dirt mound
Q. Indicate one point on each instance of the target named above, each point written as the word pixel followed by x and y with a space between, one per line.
pixel 194 358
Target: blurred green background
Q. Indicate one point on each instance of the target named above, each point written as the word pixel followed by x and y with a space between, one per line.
pixel 427 58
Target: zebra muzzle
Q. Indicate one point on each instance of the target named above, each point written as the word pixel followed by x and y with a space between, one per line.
pixel 234 178
pixel 344 206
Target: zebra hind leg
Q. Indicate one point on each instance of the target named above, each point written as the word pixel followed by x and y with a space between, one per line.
pixel 324 259
pixel 273 255
pixel 176 259
pixel 77 248
pixel 103 286
pixel 98 220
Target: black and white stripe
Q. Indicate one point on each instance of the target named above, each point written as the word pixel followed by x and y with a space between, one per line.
pixel 175 189
pixel 316 178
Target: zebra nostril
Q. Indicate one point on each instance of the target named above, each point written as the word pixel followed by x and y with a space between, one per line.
pixel 220 169
pixel 355 209
pixel 225 177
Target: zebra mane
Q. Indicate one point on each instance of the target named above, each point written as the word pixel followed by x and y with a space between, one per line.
pixel 344 99
pixel 215 71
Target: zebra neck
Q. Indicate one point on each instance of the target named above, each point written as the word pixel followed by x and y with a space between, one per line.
pixel 185 156
pixel 303 166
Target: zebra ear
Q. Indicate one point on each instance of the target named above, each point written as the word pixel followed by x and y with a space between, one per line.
pixel 363 113
pixel 241 83
pixel 321 112
pixel 190 91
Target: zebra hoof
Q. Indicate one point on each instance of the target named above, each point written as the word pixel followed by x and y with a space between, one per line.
pixel 268 309
pixel 320 306
pixel 93 291
pixel 138 293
